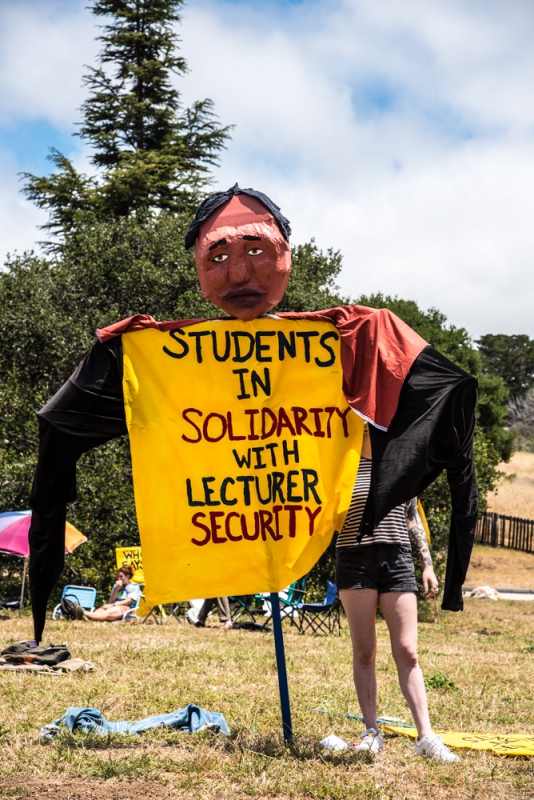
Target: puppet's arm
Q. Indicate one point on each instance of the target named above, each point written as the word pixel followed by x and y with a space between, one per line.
pixel 87 411
pixel 432 430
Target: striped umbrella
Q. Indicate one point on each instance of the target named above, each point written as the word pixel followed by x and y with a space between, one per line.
pixel 14 529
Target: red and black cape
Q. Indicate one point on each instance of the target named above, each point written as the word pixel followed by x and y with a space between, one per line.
pixel 420 405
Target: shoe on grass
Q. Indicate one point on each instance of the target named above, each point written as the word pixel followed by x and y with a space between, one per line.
pixel 433 746
pixel 372 742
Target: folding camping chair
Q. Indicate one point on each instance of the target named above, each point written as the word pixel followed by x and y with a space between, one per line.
pixel 157 613
pixel 130 612
pixel 251 606
pixel 163 614
pixel 175 611
pixel 84 596
pixel 9 603
pixel 289 600
pixel 320 617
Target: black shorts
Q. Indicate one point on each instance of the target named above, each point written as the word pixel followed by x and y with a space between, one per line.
pixel 384 567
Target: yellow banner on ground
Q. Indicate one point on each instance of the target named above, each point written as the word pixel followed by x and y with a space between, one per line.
pixel 133 557
pixel 503 744
pixel 244 453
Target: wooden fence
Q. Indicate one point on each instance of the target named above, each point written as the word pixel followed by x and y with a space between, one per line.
pixel 498 530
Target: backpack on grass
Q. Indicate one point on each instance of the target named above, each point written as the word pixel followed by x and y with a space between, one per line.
pixel 46 654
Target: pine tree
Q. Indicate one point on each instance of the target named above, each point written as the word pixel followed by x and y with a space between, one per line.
pixel 150 152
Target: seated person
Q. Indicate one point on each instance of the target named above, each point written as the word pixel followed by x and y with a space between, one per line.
pixel 123 595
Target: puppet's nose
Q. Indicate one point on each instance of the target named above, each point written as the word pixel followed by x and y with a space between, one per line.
pixel 238 271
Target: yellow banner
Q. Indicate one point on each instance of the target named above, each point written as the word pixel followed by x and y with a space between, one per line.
pixel 503 744
pixel 244 453
pixel 133 557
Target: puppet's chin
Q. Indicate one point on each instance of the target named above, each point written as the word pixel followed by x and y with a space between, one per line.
pixel 246 308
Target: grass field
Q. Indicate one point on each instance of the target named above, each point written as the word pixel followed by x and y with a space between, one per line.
pixel 487 652
pixel 515 495
pixel 500 567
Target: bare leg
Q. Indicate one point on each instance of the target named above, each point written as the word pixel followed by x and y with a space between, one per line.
pixel 106 614
pixel 360 608
pixel 400 612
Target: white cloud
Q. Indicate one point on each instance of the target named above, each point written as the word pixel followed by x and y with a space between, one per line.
pixel 43 49
pixel 43 46
pixel 18 218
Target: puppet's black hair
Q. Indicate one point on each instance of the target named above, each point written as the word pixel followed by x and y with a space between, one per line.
pixel 218 199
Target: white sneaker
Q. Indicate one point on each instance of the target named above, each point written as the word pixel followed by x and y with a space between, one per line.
pixel 433 746
pixel 372 742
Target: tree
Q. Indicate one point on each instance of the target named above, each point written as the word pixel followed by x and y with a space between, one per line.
pixel 456 344
pixel 150 153
pixel 521 420
pixel 312 283
pixel 510 357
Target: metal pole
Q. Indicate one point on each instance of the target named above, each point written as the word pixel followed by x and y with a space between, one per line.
pixel 23 586
pixel 281 667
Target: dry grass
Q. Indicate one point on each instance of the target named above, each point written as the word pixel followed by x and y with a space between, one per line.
pixel 515 495
pixel 488 652
pixel 500 567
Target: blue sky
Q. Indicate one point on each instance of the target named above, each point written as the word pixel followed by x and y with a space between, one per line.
pixel 400 133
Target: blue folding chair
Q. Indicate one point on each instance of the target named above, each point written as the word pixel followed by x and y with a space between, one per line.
pixel 320 617
pixel 84 596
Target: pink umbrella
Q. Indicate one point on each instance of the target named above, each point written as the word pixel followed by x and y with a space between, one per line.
pixel 14 529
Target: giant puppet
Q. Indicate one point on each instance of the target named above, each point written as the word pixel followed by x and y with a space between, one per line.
pixel 244 440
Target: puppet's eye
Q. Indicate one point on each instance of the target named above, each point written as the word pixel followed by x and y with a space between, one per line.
pixel 220 258
pixel 254 251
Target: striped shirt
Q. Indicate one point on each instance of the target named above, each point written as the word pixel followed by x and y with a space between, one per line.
pixel 392 529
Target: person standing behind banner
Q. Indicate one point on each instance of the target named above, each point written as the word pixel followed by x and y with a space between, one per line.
pixel 223 608
pixel 378 570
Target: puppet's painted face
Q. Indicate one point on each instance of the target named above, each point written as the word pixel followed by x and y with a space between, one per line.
pixel 243 261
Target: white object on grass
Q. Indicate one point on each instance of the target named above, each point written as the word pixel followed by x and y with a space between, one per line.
pixel 485 593
pixel 334 742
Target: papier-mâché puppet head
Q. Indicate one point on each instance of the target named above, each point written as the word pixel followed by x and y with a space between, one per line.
pixel 242 251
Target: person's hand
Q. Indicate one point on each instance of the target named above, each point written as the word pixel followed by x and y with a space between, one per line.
pixel 430 583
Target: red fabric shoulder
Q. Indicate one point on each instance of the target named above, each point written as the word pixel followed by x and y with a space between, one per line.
pixel 138 323
pixel 377 351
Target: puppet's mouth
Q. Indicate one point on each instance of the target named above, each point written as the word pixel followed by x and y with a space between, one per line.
pixel 245 297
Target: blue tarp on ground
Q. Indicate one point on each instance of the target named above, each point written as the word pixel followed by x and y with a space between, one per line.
pixel 190 719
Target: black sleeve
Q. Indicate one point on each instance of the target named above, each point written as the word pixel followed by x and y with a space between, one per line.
pixel 87 411
pixel 432 430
